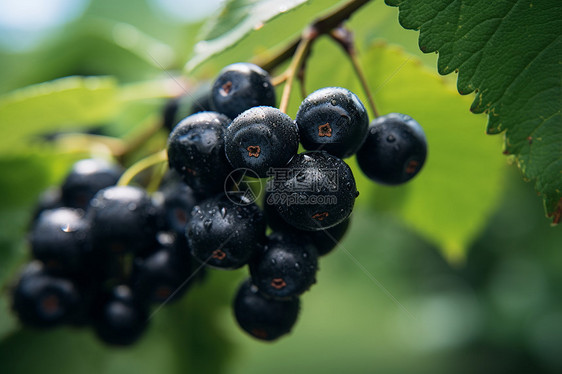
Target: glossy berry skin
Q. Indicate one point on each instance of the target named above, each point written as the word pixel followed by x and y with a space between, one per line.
pixel 262 317
pixel 160 277
pixel 120 318
pixel 261 138
pixel 334 120
pixel 123 220
pixel 225 234
pixel 241 86
pixel 394 150
pixel 85 179
pixel 43 300
pixel 60 239
pixel 179 200
pixel 318 193
pixel 324 240
pixel 196 152
pixel 286 267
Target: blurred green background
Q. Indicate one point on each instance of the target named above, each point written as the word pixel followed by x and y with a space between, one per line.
pixel 457 272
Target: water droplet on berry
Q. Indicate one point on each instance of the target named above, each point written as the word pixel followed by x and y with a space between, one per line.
pixel 297 266
pixel 390 138
pixel 66 228
pixel 333 102
pixel 223 212
pixel 305 255
pixel 132 206
pixel 273 261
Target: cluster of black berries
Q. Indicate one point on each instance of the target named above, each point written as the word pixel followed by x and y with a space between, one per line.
pixel 104 253
pixel 309 196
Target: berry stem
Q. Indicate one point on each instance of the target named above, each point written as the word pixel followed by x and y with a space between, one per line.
pixel 141 165
pixel 322 25
pixel 276 81
pixel 296 63
pixel 344 37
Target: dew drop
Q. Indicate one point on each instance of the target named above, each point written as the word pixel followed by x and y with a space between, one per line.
pixel 132 206
pixel 390 138
pixel 273 261
pixel 304 255
pixel 223 212
pixel 297 266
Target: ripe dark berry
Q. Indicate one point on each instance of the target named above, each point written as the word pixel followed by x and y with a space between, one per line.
pixel 85 179
pixel 225 234
pixel 43 300
pixel 261 138
pixel 394 150
pixel 262 317
pixel 123 220
pixel 240 87
pixel 60 240
pixel 178 202
pixel 161 277
pixel 196 151
pixel 286 267
pixel 120 318
pixel 334 120
pixel 317 192
pixel 324 240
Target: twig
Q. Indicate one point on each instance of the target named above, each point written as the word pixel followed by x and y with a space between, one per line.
pixel 141 165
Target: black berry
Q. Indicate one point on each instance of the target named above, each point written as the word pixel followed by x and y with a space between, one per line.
pixel 43 300
pixel 334 120
pixel 85 179
pixel 196 151
pixel 178 201
pixel 240 87
pixel 317 192
pixel 261 138
pixel 123 220
pixel 60 240
pixel 264 318
pixel 224 233
pixel 286 267
pixel 120 318
pixel 162 276
pixel 394 150
pixel 324 240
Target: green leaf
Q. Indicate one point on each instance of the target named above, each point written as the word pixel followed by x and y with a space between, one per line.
pixel 450 201
pixel 508 51
pixel 66 103
pixel 236 20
